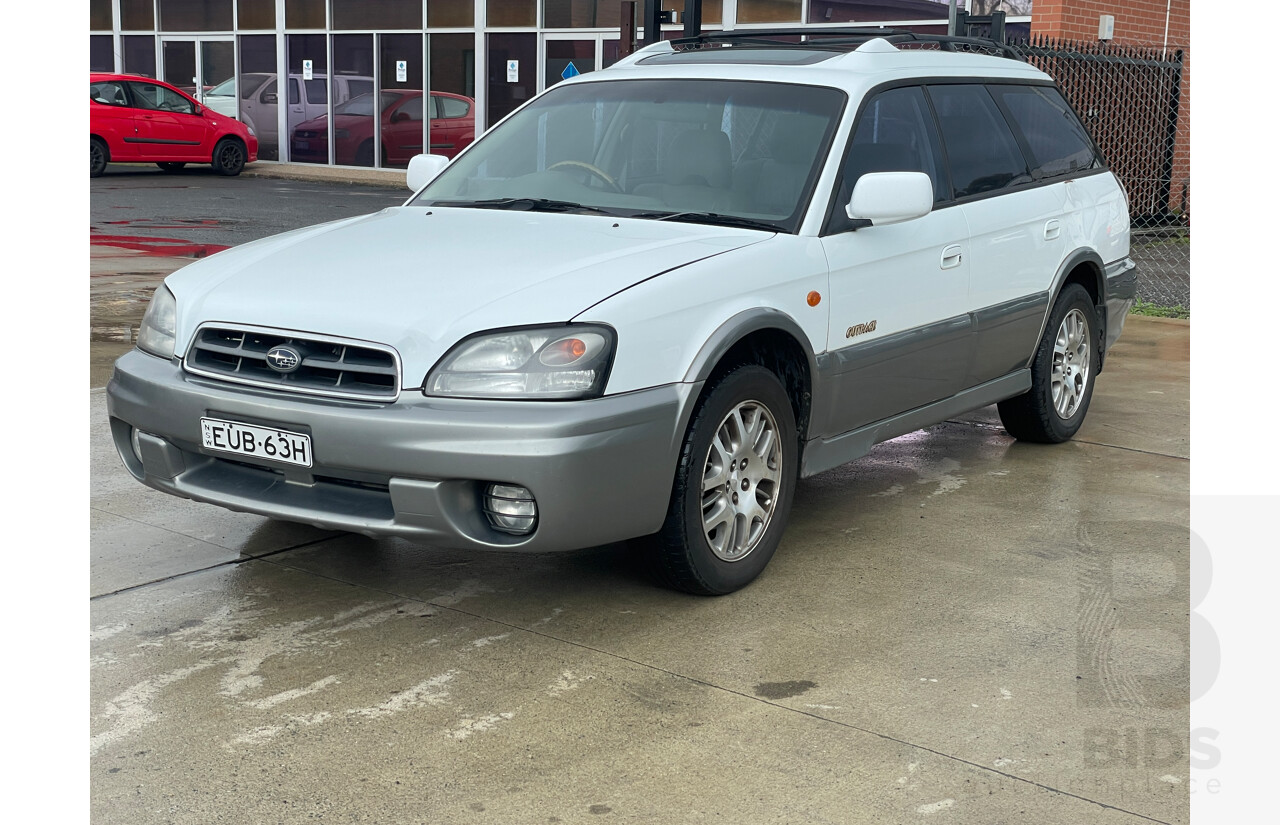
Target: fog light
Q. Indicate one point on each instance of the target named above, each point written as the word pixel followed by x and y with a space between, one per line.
pixel 136 443
pixel 510 508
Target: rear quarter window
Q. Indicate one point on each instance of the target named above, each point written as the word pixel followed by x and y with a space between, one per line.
pixel 1054 135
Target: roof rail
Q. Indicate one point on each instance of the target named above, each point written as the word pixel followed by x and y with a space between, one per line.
pixel 839 38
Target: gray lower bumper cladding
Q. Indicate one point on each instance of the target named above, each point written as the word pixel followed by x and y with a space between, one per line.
pixel 600 470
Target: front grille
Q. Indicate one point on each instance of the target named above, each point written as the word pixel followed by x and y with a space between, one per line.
pixel 332 367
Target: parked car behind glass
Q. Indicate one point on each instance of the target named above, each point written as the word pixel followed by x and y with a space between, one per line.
pixel 453 127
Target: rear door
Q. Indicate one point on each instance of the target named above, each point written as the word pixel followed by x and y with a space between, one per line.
pixel 452 124
pixel 899 326
pixel 1016 222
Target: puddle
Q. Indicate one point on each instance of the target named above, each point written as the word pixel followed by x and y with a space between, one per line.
pixel 157 247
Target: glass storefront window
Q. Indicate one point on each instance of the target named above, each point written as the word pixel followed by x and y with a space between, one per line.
pixel 305 99
pixel 137 15
pixel 712 12
pixel 258 91
pixel 100 15
pixel 139 54
pixel 356 105
pixel 256 14
pixel 377 14
pixel 768 11
pixel 512 13
pixel 451 14
pixel 101 58
pixel 875 11
pixel 580 14
pixel 195 15
pixel 304 14
pixel 508 89
pixel 403 127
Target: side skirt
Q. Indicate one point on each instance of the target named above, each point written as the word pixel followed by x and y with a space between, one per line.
pixel 821 454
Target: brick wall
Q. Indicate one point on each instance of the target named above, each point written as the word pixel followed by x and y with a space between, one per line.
pixel 1138 23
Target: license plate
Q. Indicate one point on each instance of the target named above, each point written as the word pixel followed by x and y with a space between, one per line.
pixel 302 144
pixel 256 442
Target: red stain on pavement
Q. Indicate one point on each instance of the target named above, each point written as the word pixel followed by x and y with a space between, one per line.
pixel 157 247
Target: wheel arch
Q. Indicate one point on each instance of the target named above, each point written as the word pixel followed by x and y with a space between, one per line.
pixel 1085 267
pixel 767 337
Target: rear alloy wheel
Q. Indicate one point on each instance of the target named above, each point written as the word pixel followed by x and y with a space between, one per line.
pixel 171 166
pixel 733 486
pixel 1062 374
pixel 228 157
pixel 97 157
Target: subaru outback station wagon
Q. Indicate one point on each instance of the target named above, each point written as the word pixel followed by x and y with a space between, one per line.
pixel 647 302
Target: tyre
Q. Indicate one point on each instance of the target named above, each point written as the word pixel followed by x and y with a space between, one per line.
pixel 228 157
pixel 733 486
pixel 98 157
pixel 1062 374
pixel 364 154
pixel 172 166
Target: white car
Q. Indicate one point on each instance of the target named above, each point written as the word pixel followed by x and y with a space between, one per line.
pixel 647 302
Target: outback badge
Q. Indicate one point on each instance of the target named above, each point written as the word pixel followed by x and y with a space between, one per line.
pixel 855 330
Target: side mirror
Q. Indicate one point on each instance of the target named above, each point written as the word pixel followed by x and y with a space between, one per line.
pixel 399 117
pixel 423 169
pixel 269 97
pixel 891 197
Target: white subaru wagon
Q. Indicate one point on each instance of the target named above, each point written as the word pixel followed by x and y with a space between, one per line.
pixel 647 302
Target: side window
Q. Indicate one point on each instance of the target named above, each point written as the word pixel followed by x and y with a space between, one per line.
pixel 451 107
pixel 410 110
pixel 108 92
pixel 159 98
pixel 1056 138
pixel 895 133
pixel 317 91
pixel 981 151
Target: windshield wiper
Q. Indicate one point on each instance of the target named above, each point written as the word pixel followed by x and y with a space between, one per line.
pixel 711 218
pixel 528 205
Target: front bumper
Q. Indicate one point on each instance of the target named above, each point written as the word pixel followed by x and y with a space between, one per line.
pixel 600 470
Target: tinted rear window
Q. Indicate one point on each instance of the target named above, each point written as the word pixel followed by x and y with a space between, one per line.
pixel 1057 139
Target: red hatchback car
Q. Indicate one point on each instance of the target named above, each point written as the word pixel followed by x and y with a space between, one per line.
pixel 453 128
pixel 136 119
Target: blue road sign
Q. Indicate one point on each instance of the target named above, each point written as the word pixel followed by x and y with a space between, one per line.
pixel 570 71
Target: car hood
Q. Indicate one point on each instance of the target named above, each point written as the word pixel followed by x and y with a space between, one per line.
pixel 420 279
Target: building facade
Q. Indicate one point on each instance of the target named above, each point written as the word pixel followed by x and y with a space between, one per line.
pixel 480 58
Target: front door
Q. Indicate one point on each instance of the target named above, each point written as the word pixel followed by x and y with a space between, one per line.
pixel 197 64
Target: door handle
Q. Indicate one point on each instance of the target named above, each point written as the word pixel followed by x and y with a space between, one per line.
pixel 951 257
pixel 1052 230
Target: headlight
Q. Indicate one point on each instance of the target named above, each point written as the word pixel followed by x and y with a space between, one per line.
pixel 553 363
pixel 159 324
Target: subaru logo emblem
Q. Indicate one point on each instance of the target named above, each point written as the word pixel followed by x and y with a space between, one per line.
pixel 284 359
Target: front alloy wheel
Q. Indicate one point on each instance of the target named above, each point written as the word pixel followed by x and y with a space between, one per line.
pixel 740 481
pixel 733 485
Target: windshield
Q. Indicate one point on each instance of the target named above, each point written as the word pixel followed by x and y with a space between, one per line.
pixel 226 88
pixel 718 151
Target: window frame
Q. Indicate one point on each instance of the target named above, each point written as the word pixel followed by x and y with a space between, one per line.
pixel 997 92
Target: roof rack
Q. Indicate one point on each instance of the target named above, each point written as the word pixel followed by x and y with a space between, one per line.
pixel 838 38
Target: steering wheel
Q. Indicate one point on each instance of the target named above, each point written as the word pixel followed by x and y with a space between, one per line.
pixel 599 173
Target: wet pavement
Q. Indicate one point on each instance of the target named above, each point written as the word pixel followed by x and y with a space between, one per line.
pixel 957 628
